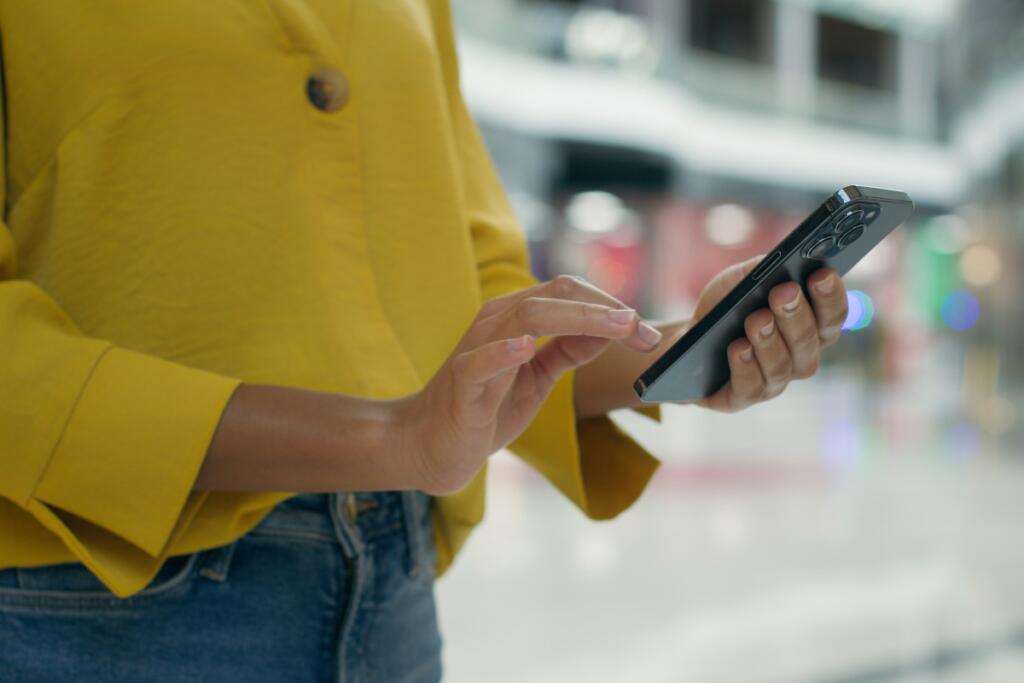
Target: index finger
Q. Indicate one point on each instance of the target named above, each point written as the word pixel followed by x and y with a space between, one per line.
pixel 572 288
pixel 543 317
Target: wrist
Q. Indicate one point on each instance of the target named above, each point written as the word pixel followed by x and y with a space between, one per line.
pixel 368 445
pixel 400 443
pixel 426 457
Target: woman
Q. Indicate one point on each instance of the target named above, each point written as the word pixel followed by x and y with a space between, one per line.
pixel 257 249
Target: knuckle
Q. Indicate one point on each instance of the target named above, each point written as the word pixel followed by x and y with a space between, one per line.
pixel 461 363
pixel 806 342
pixel 829 336
pixel 778 369
pixel 808 369
pixel 528 310
pixel 754 390
pixel 780 372
pixel 586 317
pixel 841 313
pixel 490 307
pixel 564 285
pixel 731 403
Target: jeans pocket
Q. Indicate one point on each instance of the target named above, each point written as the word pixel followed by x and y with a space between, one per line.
pixel 71 586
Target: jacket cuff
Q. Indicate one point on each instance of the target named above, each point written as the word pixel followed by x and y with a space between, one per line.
pixel 652 411
pixel 120 479
pixel 593 462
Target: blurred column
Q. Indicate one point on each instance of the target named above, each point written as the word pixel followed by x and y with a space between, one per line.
pixel 917 82
pixel 796 58
pixel 670 31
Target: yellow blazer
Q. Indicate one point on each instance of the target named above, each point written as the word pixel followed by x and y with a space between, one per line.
pixel 184 211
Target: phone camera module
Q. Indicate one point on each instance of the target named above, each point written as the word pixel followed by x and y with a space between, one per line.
pixel 851 236
pixel 840 232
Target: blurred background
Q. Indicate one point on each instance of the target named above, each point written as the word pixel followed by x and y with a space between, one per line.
pixel 868 526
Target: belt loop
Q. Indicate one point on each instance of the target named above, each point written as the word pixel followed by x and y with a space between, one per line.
pixel 412 511
pixel 345 529
pixel 351 507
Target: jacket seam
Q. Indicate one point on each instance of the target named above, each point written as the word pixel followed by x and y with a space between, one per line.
pixel 11 202
pixel 67 421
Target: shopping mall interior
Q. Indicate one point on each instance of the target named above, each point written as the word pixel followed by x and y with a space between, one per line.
pixel 862 527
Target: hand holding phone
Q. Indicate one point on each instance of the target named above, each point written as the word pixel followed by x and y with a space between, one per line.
pixel 838 235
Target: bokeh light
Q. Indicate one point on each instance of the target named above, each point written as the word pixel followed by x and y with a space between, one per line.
pixel 980 265
pixel 962 440
pixel 595 212
pixel 610 274
pixel 861 310
pixel 960 310
pixel 729 225
pixel 948 234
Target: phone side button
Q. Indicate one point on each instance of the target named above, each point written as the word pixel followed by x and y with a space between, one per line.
pixel 767 264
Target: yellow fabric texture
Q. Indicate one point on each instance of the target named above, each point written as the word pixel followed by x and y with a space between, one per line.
pixel 179 218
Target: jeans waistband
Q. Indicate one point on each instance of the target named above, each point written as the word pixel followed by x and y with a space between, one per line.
pixel 359 516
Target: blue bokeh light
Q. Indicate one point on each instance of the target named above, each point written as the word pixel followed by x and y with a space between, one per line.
pixel 960 310
pixel 962 440
pixel 861 310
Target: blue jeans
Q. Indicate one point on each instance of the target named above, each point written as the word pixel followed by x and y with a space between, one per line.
pixel 332 587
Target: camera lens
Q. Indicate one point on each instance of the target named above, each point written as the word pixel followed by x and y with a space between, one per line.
pixel 849 220
pixel 851 235
pixel 820 249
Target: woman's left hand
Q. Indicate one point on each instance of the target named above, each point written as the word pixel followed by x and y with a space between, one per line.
pixel 784 342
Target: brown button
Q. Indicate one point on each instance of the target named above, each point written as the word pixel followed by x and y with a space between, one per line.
pixel 327 89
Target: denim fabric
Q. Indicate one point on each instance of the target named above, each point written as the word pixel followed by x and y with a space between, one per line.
pixel 311 594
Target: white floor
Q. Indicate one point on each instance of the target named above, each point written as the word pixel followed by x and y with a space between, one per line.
pixel 833 536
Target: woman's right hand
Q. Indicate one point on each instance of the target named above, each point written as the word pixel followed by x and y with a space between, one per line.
pixel 494 382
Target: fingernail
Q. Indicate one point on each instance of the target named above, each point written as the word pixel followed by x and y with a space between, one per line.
pixel 649 334
pixel 791 306
pixel 767 330
pixel 622 316
pixel 826 286
pixel 519 343
pixel 747 354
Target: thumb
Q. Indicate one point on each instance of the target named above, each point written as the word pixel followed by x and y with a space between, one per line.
pixel 735 273
pixel 564 353
pixel 721 284
pixel 483 376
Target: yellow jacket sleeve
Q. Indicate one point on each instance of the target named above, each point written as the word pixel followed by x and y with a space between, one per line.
pixel 99 444
pixel 591 461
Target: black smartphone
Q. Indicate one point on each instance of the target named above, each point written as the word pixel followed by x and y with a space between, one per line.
pixel 838 234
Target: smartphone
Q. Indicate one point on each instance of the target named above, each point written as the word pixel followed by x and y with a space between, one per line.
pixel 838 234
